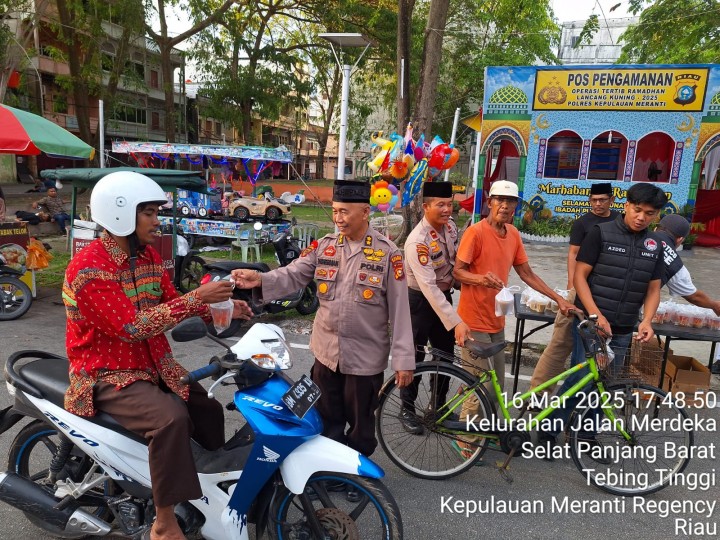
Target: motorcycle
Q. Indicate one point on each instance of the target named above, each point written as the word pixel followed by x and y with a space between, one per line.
pixel 77 477
pixel 304 300
pixel 15 296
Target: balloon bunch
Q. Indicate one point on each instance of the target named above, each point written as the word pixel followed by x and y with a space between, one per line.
pixel 383 196
pixel 402 158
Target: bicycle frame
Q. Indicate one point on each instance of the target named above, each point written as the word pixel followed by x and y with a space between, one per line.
pixel 594 376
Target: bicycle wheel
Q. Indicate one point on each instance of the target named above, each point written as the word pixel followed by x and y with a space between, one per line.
pixel 658 449
pixel 433 453
pixel 15 298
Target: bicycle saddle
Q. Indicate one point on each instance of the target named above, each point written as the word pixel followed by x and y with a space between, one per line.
pixel 485 350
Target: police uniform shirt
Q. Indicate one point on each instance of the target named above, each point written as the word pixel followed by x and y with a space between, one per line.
pixel 361 288
pixel 430 258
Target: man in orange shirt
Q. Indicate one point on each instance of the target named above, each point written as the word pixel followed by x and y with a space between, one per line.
pixel 487 251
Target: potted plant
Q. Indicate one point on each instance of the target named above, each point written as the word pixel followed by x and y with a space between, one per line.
pixel 691 238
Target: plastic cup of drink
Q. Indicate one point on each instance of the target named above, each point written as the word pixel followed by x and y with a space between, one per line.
pixel 222 315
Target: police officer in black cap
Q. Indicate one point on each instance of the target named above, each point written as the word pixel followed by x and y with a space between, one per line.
pixel 430 256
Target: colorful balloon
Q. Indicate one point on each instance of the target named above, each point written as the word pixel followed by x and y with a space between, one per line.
pixel 414 183
pixel 451 159
pixel 377 161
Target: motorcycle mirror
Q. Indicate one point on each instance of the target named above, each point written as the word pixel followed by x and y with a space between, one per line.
pixel 257 226
pixel 189 330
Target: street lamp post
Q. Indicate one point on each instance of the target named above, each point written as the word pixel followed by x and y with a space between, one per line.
pixel 345 40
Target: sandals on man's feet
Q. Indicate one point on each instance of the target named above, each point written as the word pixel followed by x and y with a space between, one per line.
pixel 466 454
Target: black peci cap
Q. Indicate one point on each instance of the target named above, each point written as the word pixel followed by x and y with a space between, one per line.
pixel 437 189
pixel 351 191
pixel 602 188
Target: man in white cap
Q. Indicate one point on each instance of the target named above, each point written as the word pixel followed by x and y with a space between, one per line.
pixel 487 251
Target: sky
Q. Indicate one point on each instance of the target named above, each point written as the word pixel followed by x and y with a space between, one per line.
pixel 576 10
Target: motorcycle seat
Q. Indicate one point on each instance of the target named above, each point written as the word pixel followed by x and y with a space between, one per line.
pixel 229 266
pixel 49 376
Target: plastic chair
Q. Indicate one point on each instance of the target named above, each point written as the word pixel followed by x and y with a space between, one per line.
pixel 304 234
pixel 245 242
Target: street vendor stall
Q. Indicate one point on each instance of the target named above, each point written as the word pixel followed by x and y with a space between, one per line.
pixel 27 134
pixel 253 160
pixel 556 129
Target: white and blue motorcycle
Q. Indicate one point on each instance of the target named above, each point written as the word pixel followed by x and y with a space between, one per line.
pixel 78 477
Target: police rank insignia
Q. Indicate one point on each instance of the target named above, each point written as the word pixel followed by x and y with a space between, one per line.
pixel 398 267
pixel 307 251
pixel 423 254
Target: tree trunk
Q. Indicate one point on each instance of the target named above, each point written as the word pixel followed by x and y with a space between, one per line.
pixel 404 30
pixel 430 66
pixel 425 99
pixel 76 60
pixel 168 88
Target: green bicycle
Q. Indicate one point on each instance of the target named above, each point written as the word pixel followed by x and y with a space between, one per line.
pixel 626 437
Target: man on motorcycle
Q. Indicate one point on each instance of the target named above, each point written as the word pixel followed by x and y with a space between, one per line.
pixel 362 288
pixel 119 303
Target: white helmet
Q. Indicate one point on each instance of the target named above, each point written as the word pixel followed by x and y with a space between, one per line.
pixel 115 198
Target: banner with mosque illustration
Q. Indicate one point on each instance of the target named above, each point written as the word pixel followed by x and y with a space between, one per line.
pixel 572 126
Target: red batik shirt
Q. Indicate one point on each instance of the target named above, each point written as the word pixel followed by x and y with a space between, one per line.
pixel 115 326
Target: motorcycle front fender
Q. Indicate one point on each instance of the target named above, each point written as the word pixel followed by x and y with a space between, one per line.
pixel 323 454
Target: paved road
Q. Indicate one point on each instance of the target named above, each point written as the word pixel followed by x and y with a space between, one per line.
pixel 421 501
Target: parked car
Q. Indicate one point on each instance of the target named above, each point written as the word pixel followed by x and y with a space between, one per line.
pixel 245 207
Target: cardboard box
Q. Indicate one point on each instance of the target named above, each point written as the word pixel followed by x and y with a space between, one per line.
pixel 688 376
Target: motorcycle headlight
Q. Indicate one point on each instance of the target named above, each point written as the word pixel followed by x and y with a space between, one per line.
pixel 264 361
pixel 281 354
pixel 278 358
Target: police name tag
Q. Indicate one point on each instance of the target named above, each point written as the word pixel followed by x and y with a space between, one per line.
pixel 301 396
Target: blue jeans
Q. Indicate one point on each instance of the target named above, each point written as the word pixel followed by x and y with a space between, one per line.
pixel 619 344
pixel 60 219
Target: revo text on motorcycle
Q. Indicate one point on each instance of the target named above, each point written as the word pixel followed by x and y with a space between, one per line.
pixel 94 477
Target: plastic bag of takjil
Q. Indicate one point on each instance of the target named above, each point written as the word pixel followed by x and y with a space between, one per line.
pixel 537 301
pixel 505 301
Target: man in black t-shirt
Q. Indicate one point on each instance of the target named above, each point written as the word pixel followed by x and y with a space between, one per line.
pixel 618 271
pixel 552 361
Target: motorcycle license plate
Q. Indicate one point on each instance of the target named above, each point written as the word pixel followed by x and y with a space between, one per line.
pixel 301 396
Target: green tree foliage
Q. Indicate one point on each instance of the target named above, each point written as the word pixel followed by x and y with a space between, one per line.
pixel 80 31
pixel 251 62
pixel 673 31
pixel 484 33
pixel 18 20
